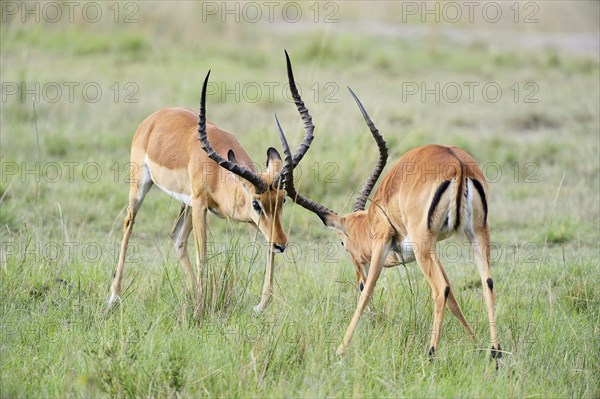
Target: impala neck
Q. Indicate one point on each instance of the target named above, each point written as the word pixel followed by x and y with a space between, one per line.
pixel 233 200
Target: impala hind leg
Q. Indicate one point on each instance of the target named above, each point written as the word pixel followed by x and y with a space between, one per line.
pixel 378 255
pixel 455 307
pixel 141 183
pixel 180 234
pixel 440 289
pixel 481 248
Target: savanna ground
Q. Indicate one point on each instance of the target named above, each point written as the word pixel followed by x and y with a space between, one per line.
pixel 64 188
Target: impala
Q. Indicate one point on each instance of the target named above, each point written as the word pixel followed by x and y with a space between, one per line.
pixel 431 193
pixel 214 174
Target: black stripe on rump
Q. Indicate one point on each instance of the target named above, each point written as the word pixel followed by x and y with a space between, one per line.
pixel 436 199
pixel 479 189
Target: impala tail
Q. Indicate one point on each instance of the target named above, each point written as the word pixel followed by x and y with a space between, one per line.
pixel 455 211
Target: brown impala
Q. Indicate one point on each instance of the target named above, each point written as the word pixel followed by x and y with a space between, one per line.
pixel 214 174
pixel 431 193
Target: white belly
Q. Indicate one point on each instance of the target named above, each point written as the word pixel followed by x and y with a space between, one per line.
pixel 181 197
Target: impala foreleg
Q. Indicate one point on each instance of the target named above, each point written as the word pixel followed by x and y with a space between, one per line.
pixel 199 222
pixel 380 252
pixel 180 234
pixel 267 289
pixel 115 287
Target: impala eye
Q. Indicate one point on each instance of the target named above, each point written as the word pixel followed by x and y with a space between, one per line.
pixel 256 206
pixel 283 202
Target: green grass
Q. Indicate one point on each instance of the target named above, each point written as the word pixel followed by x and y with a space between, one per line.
pixel 60 236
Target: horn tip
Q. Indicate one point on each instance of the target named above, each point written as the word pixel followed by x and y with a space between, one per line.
pixel 206 78
pixel 353 94
pixel 288 63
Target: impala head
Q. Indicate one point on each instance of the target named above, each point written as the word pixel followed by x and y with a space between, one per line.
pixel 353 231
pixel 263 208
pixel 264 193
pixel 352 228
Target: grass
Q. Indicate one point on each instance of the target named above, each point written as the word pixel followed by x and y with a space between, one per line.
pixel 60 234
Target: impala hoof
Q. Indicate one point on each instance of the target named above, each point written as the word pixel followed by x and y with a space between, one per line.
pixel 114 299
pixel 112 304
pixel 340 350
pixel 258 309
pixel 496 352
pixel 431 354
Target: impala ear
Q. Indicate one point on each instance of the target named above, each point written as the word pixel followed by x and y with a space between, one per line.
pixel 273 154
pixel 274 162
pixel 334 221
pixel 231 156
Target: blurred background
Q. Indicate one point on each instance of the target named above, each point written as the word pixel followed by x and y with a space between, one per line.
pixel 513 83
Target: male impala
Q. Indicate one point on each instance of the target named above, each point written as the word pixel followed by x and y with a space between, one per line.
pixel 165 151
pixel 431 193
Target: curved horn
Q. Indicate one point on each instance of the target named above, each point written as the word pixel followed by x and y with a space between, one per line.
pixel 230 166
pixel 306 118
pixel 361 201
pixel 288 179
